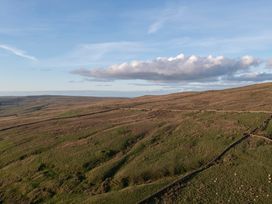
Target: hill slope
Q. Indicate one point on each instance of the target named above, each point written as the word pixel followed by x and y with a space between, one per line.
pixel 124 150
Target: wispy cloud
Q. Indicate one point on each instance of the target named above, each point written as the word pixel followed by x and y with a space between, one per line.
pixel 18 52
pixel 226 45
pixel 95 54
pixel 155 26
pixel 164 17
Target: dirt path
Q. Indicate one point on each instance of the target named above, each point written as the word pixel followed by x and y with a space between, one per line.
pixel 127 108
pixel 197 110
pixel 170 191
pixel 57 118
pixel 262 137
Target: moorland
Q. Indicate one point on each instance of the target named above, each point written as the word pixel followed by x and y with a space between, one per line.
pixel 191 147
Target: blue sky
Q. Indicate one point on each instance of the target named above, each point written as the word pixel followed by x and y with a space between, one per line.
pixel 133 46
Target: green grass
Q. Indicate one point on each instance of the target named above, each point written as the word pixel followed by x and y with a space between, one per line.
pixel 269 130
pixel 242 177
pixel 106 158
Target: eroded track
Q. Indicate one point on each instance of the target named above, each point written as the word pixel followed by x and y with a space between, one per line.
pixel 56 118
pixel 128 108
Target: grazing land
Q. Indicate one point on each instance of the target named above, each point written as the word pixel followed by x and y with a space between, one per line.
pixel 194 147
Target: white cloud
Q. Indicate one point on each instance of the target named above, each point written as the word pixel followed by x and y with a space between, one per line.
pixel 18 52
pixel 174 69
pixel 250 61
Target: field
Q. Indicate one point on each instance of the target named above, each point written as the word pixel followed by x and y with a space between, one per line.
pixel 117 150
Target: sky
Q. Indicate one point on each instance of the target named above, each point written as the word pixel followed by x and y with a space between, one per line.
pixel 119 47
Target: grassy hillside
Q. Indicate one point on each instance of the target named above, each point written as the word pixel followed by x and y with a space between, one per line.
pixel 90 150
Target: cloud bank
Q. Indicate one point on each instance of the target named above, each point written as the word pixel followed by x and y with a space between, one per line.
pixel 175 69
pixel 269 63
pixel 18 52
